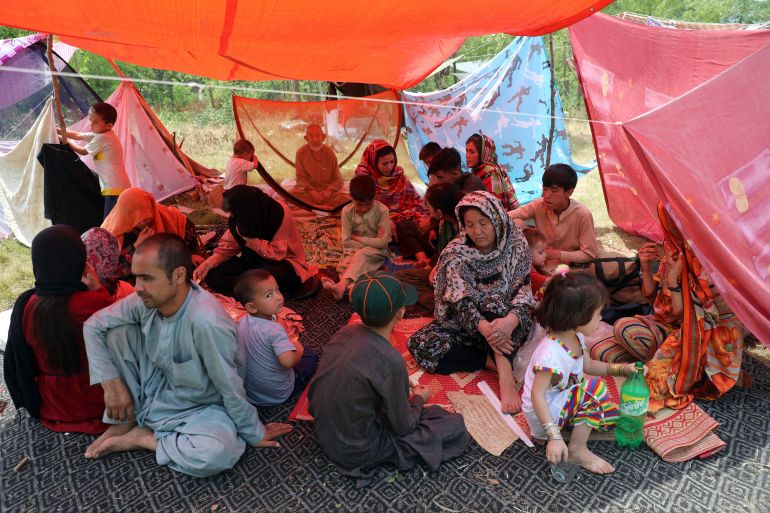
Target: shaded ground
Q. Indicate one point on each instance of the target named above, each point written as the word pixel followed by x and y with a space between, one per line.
pixel 298 477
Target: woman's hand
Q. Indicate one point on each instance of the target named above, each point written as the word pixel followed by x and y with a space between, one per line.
pixel 630 369
pixel 498 342
pixel 147 232
pixel 648 254
pixel 90 279
pixel 200 272
pixel 556 451
pixel 506 325
pixel 674 269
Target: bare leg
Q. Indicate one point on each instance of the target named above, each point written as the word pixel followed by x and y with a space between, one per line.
pixel 579 453
pixel 136 438
pixel 112 431
pixel 510 401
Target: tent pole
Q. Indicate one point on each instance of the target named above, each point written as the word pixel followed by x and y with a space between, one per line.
pixel 115 67
pixel 553 101
pixel 57 98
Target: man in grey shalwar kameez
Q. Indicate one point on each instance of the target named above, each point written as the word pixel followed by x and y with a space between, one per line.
pixel 364 415
pixel 165 357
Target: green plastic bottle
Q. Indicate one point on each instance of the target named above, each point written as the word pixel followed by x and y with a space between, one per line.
pixel 634 403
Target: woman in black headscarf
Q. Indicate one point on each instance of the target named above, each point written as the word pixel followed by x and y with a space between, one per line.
pixel 262 230
pixel 45 366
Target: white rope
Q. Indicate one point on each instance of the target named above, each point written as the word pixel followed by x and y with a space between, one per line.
pixel 193 84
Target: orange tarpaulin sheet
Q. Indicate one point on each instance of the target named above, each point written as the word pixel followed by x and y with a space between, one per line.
pixel 393 43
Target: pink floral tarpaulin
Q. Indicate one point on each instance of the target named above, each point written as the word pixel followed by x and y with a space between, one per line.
pixel 627 70
pixel 706 155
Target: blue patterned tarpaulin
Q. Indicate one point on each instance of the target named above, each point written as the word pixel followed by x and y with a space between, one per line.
pixel 508 99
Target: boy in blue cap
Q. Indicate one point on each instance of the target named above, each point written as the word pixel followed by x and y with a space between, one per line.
pixel 360 396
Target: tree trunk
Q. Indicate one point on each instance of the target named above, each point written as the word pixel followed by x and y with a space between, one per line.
pixel 171 97
pixel 295 90
pixel 212 100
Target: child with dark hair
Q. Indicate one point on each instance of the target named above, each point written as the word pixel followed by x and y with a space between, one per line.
pixel 277 367
pixel 365 235
pixel 447 167
pixel 441 198
pixel 567 224
pixel 242 161
pixel 105 148
pixel 537 247
pixel 366 412
pixel 556 395
pixel 428 151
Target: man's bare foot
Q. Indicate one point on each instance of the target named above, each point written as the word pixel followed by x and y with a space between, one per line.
pixel 112 431
pixel 590 461
pixel 136 438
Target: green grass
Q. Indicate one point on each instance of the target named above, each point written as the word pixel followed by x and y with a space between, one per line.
pixel 15 271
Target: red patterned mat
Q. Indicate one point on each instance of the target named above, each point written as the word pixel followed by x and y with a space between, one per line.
pixel 681 435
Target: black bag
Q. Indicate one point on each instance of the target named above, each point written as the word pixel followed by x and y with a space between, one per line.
pixel 620 274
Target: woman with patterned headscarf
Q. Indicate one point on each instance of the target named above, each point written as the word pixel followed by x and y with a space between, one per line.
pixel 393 187
pixel 481 157
pixel 103 254
pixel 45 364
pixel 483 297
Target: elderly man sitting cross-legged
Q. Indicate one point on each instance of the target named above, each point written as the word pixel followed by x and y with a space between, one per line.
pixel 165 357
pixel 319 181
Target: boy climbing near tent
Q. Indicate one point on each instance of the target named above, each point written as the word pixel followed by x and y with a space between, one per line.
pixel 106 150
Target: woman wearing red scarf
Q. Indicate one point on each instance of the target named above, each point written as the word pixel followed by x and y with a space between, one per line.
pixel 393 187
pixel 481 157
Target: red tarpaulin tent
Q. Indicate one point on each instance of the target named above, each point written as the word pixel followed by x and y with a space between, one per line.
pixel 393 43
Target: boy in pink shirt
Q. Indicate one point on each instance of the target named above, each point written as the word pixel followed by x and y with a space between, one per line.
pixel 567 224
